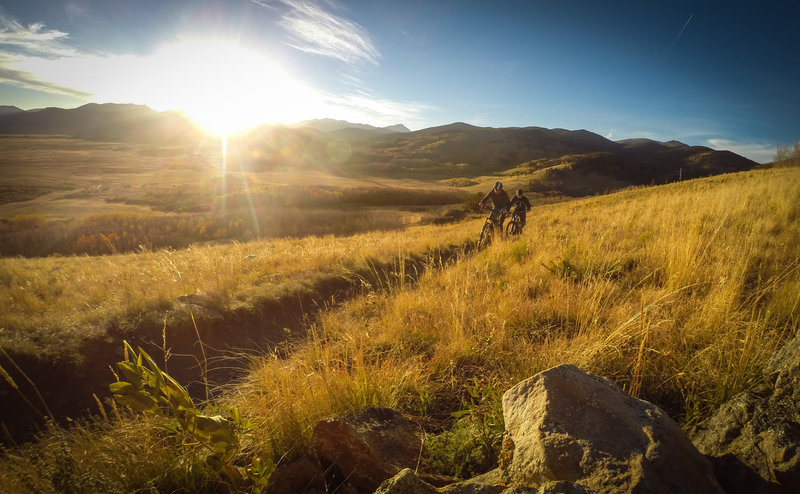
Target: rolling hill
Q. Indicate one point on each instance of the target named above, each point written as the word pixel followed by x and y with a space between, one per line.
pixel 552 161
pixel 332 125
pixel 112 122
pixel 471 151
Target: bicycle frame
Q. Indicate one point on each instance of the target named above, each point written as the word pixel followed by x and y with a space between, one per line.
pixel 494 222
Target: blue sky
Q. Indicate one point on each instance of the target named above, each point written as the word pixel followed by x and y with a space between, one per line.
pixel 724 74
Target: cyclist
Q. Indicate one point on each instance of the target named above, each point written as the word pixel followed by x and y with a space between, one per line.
pixel 500 202
pixel 524 205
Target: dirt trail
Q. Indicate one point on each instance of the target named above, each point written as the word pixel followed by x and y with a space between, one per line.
pixel 228 341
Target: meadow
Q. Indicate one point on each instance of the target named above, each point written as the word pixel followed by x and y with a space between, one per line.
pixel 678 293
pixel 68 196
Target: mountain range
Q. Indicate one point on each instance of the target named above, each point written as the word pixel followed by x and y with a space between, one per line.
pixel 555 160
pixel 125 123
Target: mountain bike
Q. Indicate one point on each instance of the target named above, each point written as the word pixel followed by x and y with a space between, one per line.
pixel 514 226
pixel 492 225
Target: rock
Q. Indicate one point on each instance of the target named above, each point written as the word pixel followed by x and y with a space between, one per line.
pixel 491 482
pixel 561 487
pixel 371 447
pixel 567 425
pixel 202 305
pixel 303 475
pixel 785 361
pixel 405 482
pixel 753 440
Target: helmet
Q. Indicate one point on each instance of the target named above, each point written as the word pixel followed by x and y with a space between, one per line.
pixel 520 192
pixel 498 185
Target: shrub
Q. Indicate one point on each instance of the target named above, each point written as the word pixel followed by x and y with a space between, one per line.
pixel 22 222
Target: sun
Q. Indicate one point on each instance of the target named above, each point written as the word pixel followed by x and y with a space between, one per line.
pixel 227 87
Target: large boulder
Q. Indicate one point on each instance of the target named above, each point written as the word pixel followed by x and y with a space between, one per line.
pixel 370 447
pixel 303 475
pixel 754 439
pixel 566 425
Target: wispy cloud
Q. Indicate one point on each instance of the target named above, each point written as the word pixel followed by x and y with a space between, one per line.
pixel 43 59
pixel 33 40
pixel 365 108
pixel 322 31
pixel 19 45
pixel 31 81
pixel 760 152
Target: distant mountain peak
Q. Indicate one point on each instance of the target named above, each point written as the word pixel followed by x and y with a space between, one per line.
pixel 348 130
pixel 333 125
pixel 397 128
pixel 9 110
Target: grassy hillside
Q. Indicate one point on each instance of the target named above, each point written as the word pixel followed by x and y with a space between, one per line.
pixel 52 304
pixel 678 293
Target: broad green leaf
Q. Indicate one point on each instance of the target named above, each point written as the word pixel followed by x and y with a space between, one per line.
pixel 175 383
pixel 236 415
pixel 122 387
pixel 137 400
pixel 130 372
pixel 178 396
pixel 153 367
pixel 178 399
pixel 207 425
pixel 218 432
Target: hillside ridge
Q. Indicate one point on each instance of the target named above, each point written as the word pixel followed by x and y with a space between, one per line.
pixel 554 161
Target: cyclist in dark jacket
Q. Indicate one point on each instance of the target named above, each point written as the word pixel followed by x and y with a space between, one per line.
pixel 500 202
pixel 523 202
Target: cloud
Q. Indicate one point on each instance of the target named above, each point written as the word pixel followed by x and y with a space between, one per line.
pixel 30 81
pixel 19 45
pixel 42 59
pixel 363 107
pixel 760 152
pixel 35 40
pixel 316 30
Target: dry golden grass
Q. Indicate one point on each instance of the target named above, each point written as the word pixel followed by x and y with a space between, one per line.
pixel 678 293
pixel 51 304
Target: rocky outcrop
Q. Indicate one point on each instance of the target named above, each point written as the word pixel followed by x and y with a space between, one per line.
pixel 754 439
pixel 566 425
pixel 370 447
pixel 569 432
pixel 406 482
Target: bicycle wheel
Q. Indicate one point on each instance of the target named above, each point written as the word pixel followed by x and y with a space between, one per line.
pixel 486 235
pixel 513 228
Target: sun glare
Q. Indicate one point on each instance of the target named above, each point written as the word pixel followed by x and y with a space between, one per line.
pixel 227 88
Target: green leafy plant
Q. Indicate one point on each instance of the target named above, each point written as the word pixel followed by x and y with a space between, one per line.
pixel 149 390
pixel 472 446
pixel 484 406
